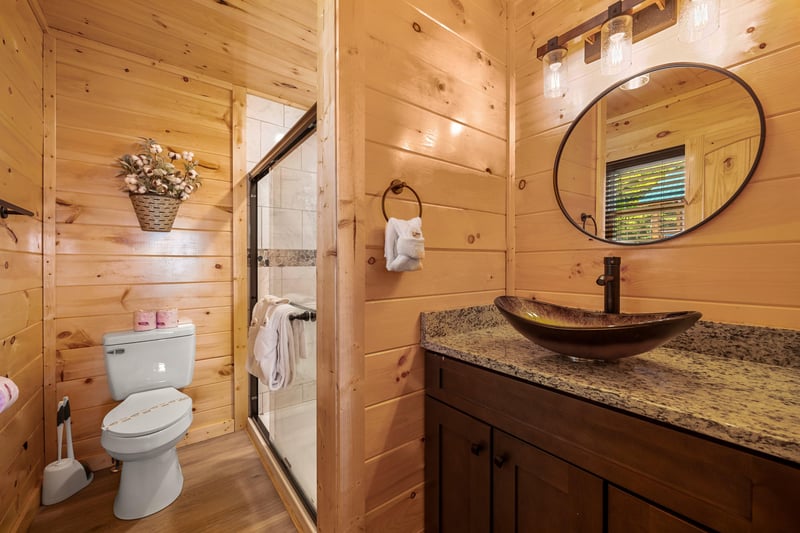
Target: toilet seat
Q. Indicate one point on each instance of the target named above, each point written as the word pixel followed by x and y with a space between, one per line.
pixel 147 412
pixel 146 423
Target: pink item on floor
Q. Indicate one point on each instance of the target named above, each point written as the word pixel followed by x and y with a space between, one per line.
pixel 144 320
pixel 167 318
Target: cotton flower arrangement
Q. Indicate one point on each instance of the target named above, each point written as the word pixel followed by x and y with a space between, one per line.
pixel 149 172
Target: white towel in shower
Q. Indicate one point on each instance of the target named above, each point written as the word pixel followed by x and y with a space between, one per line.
pixel 257 351
pixel 404 245
pixel 298 334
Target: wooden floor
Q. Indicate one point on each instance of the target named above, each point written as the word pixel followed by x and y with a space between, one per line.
pixel 225 489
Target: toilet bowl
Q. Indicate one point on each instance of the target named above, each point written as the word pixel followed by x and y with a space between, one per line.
pixel 145 370
pixel 142 432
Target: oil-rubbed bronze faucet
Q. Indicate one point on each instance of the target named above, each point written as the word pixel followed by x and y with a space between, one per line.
pixel 610 282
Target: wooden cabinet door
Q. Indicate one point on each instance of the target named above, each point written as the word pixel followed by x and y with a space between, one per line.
pixel 629 514
pixel 457 471
pixel 535 491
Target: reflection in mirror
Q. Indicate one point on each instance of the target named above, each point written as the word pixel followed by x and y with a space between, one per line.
pixel 647 164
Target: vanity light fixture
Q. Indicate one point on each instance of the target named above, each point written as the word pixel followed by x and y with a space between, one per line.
pixel 623 23
pixel 554 70
pixel 616 41
pixel 698 20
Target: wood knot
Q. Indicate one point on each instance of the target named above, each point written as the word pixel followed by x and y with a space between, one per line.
pixel 371 260
pixel 522 184
pixel 471 239
pixel 417 27
pixel 662 134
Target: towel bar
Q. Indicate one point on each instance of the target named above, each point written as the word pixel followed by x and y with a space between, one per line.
pixel 7 208
pixel 397 187
pixel 308 314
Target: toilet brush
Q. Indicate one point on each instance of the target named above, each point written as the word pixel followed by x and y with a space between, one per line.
pixel 60 425
pixel 64 477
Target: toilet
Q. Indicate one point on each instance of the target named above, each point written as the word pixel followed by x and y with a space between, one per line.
pixel 145 369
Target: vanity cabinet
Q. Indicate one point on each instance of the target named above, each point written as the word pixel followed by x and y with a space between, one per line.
pixel 505 455
pixel 487 480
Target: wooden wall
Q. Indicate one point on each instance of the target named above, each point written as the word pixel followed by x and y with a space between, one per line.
pixel 739 268
pixel 436 117
pixel 105 266
pixel 266 45
pixel 21 133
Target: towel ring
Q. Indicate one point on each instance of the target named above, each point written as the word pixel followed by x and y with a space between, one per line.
pixel 397 187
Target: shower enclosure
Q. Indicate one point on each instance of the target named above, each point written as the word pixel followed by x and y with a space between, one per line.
pixel 282 236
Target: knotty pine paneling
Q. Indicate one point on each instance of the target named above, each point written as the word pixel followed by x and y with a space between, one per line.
pixel 395 471
pixel 404 512
pixel 21 359
pixel 105 266
pixel 269 47
pixel 436 117
pixel 738 268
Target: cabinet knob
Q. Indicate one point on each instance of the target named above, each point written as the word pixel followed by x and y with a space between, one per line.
pixel 476 448
pixel 499 461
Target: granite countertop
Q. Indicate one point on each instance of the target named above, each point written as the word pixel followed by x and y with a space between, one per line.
pixel 755 405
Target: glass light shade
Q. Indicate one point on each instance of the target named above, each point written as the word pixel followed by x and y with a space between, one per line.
pixel 554 73
pixel 635 83
pixel 698 20
pixel 616 45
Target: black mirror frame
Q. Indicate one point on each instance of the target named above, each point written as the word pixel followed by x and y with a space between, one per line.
pixel 665 66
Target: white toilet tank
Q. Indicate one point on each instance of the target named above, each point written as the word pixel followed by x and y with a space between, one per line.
pixel 138 361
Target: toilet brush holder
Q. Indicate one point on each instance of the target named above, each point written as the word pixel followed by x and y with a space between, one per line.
pixel 64 477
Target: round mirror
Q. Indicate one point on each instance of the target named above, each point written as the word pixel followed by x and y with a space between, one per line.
pixel 659 154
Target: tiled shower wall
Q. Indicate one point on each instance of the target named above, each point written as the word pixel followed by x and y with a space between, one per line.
pixel 287 200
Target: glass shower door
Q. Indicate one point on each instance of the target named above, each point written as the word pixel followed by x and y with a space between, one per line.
pixel 285 222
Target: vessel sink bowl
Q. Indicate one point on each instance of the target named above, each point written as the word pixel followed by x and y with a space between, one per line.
pixel 584 334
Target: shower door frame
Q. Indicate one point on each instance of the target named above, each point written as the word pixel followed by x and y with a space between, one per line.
pixel 297 134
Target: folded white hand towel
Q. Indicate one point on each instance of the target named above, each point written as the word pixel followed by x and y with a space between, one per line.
pixel 404 245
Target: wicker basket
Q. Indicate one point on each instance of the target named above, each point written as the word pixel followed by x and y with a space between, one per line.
pixel 155 213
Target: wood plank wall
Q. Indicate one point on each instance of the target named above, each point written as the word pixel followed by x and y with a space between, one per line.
pixel 436 117
pixel 106 267
pixel 742 266
pixel 269 46
pixel 340 268
pixel 21 134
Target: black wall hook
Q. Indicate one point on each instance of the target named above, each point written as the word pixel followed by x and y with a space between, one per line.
pixel 7 208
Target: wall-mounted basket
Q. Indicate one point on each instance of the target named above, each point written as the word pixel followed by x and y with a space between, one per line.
pixel 155 212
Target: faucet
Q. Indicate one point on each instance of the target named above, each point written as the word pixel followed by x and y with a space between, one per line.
pixel 610 282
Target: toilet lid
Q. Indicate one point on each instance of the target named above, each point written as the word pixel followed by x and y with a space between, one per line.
pixel 146 412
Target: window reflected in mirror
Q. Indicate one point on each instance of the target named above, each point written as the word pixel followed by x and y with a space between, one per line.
pixel 645 196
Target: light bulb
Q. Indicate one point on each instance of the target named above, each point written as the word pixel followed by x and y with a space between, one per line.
pixel 698 20
pixel 616 45
pixel 554 73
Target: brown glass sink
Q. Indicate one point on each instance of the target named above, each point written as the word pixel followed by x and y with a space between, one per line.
pixel 592 334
